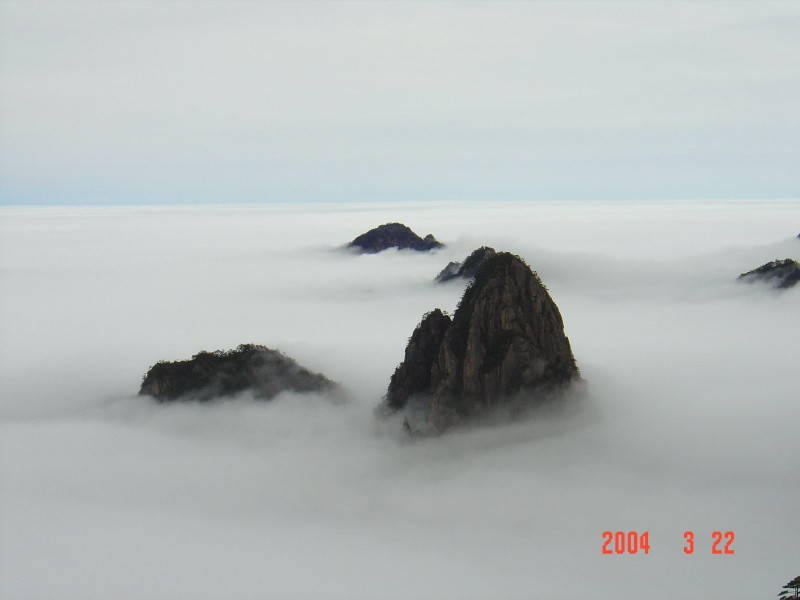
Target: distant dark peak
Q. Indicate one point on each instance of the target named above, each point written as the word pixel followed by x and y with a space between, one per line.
pixel 468 268
pixel 504 346
pixel 393 235
pixel 780 273
pixel 208 375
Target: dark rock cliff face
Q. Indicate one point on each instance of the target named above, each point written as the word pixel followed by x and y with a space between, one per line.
pixel 468 268
pixel 780 273
pixel 505 343
pixel 209 375
pixel 393 235
pixel 413 376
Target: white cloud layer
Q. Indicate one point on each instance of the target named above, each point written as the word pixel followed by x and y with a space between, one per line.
pixel 689 420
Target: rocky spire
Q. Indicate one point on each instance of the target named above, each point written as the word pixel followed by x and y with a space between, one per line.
pixel 506 341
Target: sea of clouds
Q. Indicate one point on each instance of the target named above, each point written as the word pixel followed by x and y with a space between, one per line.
pixel 688 420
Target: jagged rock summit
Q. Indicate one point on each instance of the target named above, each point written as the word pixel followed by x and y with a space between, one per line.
pixel 209 375
pixel 504 345
pixel 780 273
pixel 393 235
pixel 468 268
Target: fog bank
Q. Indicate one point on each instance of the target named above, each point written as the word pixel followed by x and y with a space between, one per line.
pixel 687 420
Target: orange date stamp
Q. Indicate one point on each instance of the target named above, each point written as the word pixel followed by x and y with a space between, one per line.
pixel 635 542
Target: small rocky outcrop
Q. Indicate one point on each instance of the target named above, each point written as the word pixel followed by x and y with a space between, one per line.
pixel 505 345
pixel 780 273
pixel 468 268
pixel 209 375
pixel 393 235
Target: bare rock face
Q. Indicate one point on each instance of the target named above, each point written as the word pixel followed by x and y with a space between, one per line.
pixel 468 268
pixel 393 235
pixel 780 273
pixel 413 376
pixel 505 343
pixel 209 375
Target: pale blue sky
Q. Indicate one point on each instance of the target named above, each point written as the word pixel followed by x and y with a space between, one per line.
pixel 186 102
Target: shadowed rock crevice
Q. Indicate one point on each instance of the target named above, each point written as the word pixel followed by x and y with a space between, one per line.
pixel 780 273
pixel 208 375
pixel 506 340
pixel 393 235
pixel 468 268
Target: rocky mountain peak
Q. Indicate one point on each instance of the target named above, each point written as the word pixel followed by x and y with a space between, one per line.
pixel 505 342
pixel 393 235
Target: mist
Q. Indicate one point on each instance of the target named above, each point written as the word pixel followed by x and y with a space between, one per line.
pixel 686 419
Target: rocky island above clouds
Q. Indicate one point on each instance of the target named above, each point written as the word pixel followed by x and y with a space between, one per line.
pixel 209 375
pixel 393 235
pixel 781 274
pixel 505 345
